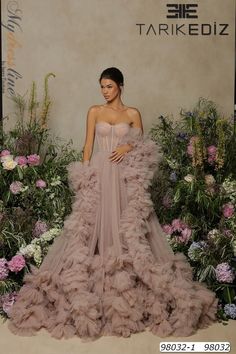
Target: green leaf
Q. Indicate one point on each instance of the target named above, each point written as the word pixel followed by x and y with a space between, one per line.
pixel 20 173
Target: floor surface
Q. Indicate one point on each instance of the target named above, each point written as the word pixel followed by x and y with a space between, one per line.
pixel 141 343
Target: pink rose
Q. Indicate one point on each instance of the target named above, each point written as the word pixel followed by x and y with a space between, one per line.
pixel 212 150
pixel 178 224
pixel 5 153
pixel 167 229
pixel 15 187
pixel 185 235
pixel 33 160
pixel 16 263
pixel 21 160
pixel 228 210
pixel 40 183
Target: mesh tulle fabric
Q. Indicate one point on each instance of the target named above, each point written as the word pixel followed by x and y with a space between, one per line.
pixel 111 270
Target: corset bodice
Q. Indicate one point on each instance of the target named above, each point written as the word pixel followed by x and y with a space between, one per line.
pixel 109 135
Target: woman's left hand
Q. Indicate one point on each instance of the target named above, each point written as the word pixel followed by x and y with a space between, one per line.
pixel 119 153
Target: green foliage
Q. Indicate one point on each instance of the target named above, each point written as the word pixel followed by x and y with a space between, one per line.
pixel 49 204
pixel 195 182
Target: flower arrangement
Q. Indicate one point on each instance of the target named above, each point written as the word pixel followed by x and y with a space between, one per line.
pixel 194 194
pixel 34 193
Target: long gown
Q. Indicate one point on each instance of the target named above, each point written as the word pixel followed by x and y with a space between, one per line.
pixel 111 270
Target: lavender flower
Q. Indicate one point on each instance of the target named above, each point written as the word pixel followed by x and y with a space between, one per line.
pixel 39 228
pixel 3 269
pixel 7 301
pixel 230 310
pixel 224 273
pixel 166 201
pixel 195 250
pixel 173 177
pixel 182 136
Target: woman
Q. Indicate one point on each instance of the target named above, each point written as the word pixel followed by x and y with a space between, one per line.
pixel 112 271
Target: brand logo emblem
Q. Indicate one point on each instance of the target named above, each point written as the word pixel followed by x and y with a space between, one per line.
pixel 182 10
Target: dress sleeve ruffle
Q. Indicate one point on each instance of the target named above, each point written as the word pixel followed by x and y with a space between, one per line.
pixel 145 154
pixel 80 175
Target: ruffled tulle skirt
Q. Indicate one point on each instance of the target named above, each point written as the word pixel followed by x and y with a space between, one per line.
pixel 111 270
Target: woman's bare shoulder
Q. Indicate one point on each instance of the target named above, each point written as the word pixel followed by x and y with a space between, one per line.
pixel 133 111
pixel 134 114
pixel 95 108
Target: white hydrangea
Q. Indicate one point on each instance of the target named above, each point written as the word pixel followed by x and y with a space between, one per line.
pixel 189 178
pixel 56 181
pixel 34 248
pixel 50 234
pixel 27 250
pixel 230 188
pixel 38 255
pixel 234 247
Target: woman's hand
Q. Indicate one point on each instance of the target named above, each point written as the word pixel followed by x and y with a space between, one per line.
pixel 119 153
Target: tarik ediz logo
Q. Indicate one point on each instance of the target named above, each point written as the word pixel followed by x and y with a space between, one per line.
pixel 193 28
pixel 182 10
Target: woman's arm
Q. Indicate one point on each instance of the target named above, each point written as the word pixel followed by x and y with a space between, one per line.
pixel 119 153
pixel 136 119
pixel 90 132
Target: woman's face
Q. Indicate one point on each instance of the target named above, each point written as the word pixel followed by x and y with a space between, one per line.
pixel 109 89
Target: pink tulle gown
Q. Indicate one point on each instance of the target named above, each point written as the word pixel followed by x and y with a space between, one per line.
pixel 111 270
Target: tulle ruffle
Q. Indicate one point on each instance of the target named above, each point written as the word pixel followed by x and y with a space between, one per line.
pixel 73 293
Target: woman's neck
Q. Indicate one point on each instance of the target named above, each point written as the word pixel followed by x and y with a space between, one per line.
pixel 116 105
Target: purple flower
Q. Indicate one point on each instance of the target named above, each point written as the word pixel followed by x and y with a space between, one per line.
pixel 7 301
pixel 39 228
pixel 16 263
pixel 230 310
pixel 166 201
pixel 182 136
pixel 189 114
pixel 3 269
pixel 173 177
pixel 33 160
pixel 21 160
pixel 228 232
pixel 195 249
pixel 224 273
pixel 40 183
pixel 16 187
pixel 228 210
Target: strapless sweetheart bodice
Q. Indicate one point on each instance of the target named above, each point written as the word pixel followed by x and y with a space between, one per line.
pixel 109 135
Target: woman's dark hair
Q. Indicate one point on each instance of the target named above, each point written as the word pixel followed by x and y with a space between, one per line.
pixel 113 74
